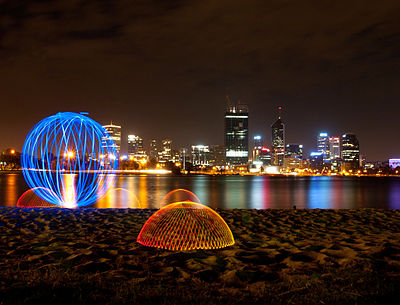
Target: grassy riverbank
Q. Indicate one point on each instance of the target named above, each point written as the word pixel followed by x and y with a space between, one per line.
pixel 91 256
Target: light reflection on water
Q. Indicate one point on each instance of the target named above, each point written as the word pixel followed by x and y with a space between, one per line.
pixel 320 193
pixel 11 188
pixel 255 192
pixel 394 194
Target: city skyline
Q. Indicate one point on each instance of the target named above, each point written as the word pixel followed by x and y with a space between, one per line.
pixel 122 138
pixel 141 66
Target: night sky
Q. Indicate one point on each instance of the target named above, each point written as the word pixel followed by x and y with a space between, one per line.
pixel 162 69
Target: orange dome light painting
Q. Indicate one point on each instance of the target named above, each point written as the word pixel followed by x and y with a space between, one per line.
pixel 29 199
pixel 184 226
pixel 179 195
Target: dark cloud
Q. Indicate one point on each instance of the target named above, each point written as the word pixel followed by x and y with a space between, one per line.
pixel 104 33
pixel 366 32
pixel 163 68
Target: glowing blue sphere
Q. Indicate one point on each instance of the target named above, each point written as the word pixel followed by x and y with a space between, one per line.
pixel 69 160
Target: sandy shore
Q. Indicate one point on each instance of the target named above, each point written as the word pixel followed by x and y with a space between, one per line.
pixel 278 254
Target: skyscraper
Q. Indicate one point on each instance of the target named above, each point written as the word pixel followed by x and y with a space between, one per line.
pixel 236 134
pixel 278 140
pixel 257 145
pixel 262 154
pixel 350 152
pixel 200 154
pixel 153 151
pixel 293 156
pixel 323 146
pixel 294 151
pixel 334 151
pixel 257 141
pixel 334 148
pixel 114 133
pixel 165 154
pixel 317 160
pixel 135 146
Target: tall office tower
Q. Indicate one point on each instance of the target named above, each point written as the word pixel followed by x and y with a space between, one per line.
pixel 236 135
pixel 153 150
pixel 135 146
pixel 294 151
pixel 278 140
pixel 165 154
pixel 200 154
pixel 257 141
pixel 293 156
pixel 323 146
pixel 350 152
pixel 334 148
pixel 114 133
pixel 262 154
pixel 317 160
pixel 265 156
pixel 257 145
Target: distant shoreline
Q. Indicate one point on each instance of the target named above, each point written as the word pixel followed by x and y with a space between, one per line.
pixel 133 173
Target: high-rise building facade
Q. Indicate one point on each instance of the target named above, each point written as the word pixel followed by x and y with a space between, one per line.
pixel 334 148
pixel 153 150
pixel 261 157
pixel 114 133
pixel 135 146
pixel 257 141
pixel 236 135
pixel 317 160
pixel 293 156
pixel 323 146
pixel 257 145
pixel 165 154
pixel 200 154
pixel 278 140
pixel 294 151
pixel 350 152
pixel 264 155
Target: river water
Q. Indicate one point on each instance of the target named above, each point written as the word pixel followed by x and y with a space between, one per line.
pixel 250 192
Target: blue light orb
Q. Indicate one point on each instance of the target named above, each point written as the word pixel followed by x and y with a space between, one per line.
pixel 69 160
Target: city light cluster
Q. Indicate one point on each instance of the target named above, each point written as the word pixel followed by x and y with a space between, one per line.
pixel 334 155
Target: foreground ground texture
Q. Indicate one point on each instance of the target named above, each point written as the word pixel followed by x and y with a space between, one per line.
pixel 90 256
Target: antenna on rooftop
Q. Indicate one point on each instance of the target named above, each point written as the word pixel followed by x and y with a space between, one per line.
pixel 279 111
pixel 228 102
